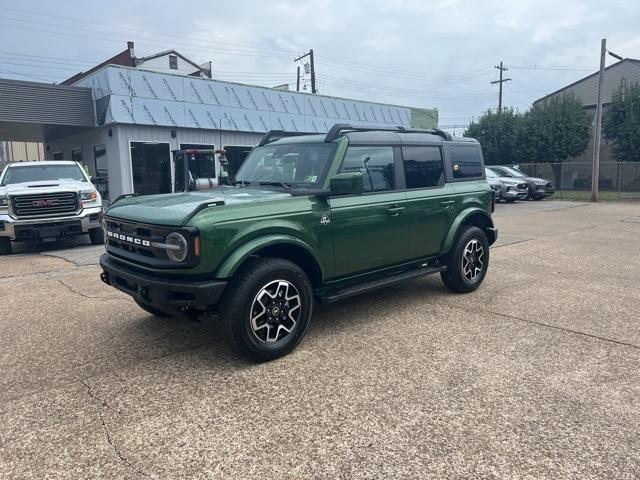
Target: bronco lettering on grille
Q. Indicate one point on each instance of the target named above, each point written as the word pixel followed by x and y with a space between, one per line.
pixel 128 239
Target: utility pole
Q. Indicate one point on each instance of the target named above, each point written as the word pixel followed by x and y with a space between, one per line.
pixel 298 80
pixel 595 173
pixel 502 69
pixel 313 69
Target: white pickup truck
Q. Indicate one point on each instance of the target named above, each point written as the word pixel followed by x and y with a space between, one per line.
pixel 48 200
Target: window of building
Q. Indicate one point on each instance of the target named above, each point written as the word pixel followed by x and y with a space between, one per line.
pixel 101 169
pixel 375 163
pixel 466 161
pixel 201 165
pixel 58 155
pixel 423 167
pixel 151 167
pixel 173 62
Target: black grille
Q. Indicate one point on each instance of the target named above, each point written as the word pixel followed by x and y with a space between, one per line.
pixel 137 246
pixel 45 204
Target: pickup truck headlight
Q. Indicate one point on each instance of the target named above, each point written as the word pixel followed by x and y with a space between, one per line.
pixel 91 196
pixel 178 247
pixel 4 203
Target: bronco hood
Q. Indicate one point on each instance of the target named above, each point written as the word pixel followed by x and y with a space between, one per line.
pixel 178 208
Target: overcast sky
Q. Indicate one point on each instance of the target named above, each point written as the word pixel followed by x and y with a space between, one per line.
pixel 431 54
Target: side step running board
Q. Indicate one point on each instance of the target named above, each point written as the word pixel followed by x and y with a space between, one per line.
pixel 379 283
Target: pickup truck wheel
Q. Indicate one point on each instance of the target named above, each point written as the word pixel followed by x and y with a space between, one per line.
pixel 5 246
pixel 152 310
pixel 96 235
pixel 267 308
pixel 467 262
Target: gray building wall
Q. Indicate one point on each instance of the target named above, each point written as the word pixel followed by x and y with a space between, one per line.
pixel 119 152
pixel 624 72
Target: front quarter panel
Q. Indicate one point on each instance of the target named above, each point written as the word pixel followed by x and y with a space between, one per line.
pixel 230 234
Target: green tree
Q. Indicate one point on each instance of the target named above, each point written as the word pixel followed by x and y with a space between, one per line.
pixel 499 135
pixel 621 124
pixel 556 130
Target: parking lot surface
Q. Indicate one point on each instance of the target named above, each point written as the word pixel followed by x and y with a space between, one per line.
pixel 535 375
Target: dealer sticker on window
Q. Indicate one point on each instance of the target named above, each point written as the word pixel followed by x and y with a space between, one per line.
pixel 311 178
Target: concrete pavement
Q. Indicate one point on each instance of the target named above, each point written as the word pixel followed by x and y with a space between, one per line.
pixel 535 375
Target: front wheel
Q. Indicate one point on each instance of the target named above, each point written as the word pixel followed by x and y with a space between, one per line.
pixel 267 308
pixel 467 262
pixel 96 235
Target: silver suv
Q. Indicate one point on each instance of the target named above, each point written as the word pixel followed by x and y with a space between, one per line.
pixel 49 200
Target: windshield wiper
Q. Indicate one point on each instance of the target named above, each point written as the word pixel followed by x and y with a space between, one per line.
pixel 278 183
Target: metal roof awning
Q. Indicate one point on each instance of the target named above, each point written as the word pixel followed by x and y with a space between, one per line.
pixel 33 112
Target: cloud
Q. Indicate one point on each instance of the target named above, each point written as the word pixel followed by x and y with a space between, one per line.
pixel 412 52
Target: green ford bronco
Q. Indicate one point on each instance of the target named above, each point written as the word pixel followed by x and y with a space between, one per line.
pixel 308 218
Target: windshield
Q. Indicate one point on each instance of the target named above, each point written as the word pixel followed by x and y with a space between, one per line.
pixel 513 172
pixel 490 173
pixel 43 173
pixel 303 164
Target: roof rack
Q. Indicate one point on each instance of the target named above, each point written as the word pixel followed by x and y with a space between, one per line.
pixel 340 128
pixel 273 135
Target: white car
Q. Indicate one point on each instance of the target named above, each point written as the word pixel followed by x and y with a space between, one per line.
pixel 511 189
pixel 47 200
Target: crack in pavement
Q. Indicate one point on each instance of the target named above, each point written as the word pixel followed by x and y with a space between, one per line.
pixel 90 297
pixel 43 273
pixel 109 439
pixel 555 327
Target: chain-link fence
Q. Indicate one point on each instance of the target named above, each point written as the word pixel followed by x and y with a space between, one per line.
pixel 618 180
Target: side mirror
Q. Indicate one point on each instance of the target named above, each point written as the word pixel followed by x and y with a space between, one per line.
pixel 92 179
pixel 346 184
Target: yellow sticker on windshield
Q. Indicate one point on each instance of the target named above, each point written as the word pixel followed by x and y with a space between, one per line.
pixel 311 178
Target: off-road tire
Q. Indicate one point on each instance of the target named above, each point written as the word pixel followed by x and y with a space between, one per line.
pixel 96 235
pixel 454 276
pixel 238 303
pixel 152 310
pixel 5 246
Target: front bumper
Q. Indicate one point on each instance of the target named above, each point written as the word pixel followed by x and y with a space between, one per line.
pixel 514 193
pixel 23 229
pixel 163 292
pixel 541 191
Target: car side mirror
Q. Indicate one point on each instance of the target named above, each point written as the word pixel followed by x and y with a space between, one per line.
pixel 92 179
pixel 346 184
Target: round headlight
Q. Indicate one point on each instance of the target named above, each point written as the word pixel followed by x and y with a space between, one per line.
pixel 179 247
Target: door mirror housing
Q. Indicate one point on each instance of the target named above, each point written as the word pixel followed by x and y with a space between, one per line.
pixel 346 184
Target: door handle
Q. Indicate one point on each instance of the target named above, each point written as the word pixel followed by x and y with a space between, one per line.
pixel 395 210
pixel 447 203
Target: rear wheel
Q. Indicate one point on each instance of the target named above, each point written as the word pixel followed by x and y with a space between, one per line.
pixel 467 262
pixel 96 235
pixel 267 308
pixel 5 246
pixel 509 200
pixel 153 310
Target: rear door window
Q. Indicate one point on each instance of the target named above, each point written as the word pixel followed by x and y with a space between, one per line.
pixel 376 164
pixel 466 162
pixel 423 167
